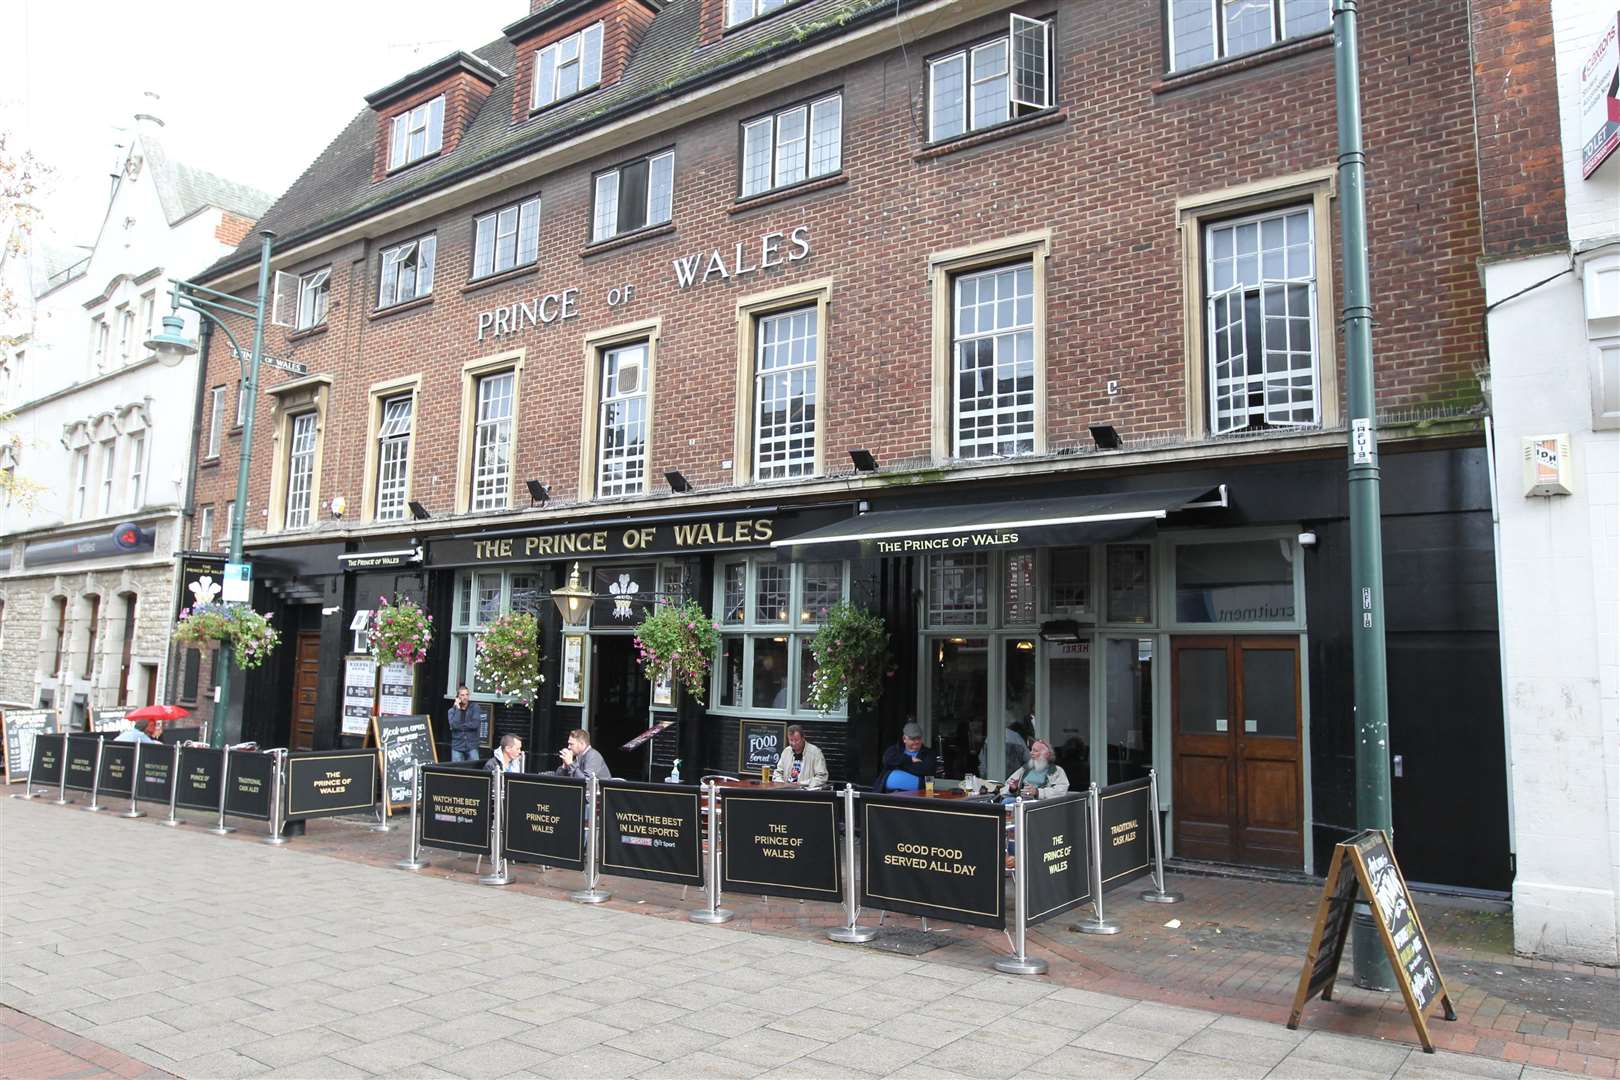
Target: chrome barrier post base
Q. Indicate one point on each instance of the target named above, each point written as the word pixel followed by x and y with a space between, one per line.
pixel 590 894
pixel 711 918
pixel 1097 924
pixel 850 933
pixel 381 824
pixel 497 875
pixel 1157 894
pixel 276 839
pixel 222 830
pixel 713 914
pixel 1153 896
pixel 413 860
pixel 1020 962
pixel 132 812
pixel 1021 965
pixel 134 788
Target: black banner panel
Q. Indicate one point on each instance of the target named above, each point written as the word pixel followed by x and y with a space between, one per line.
pixel 1057 849
pixel 652 831
pixel 252 778
pixel 81 761
pixel 117 769
pixel 156 776
pixel 407 742
pixel 49 750
pixel 781 843
pixel 198 777
pixel 934 858
pixel 321 783
pixel 1125 831
pixel 1413 958
pixel 545 820
pixel 456 807
pixel 22 725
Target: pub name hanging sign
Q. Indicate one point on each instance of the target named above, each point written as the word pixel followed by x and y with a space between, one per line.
pixel 744 258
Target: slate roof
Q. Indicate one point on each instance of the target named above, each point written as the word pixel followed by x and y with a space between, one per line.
pixel 338 188
pixel 184 189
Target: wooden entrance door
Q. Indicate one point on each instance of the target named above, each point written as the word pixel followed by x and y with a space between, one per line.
pixel 306 675
pixel 1235 704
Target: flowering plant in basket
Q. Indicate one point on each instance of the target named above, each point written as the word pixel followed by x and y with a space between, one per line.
pixel 678 638
pixel 250 635
pixel 852 658
pixel 400 632
pixel 508 657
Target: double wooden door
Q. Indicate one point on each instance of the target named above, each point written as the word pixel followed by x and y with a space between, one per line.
pixel 1235 704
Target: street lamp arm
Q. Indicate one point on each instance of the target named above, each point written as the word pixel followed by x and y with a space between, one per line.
pixel 194 296
pixel 185 302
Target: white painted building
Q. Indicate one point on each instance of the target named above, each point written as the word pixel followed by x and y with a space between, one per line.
pixel 1555 388
pixel 98 435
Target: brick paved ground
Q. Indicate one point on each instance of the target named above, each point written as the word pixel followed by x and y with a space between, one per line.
pixel 33 1048
pixel 314 967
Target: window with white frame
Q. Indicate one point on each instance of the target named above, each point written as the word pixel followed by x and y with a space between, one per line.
pixel 216 419
pixel 126 332
pixel 792 146
pixel 81 481
pixel 1203 31
pixel 492 442
pixel 314 289
pixel 137 469
pixel 109 455
pixel 417 133
pixel 394 456
pixel 993 344
pixel 506 238
pixel 241 401
pixel 567 67
pixel 1260 320
pixel 992 82
pixel 101 337
pixel 633 196
pixel 205 527
pixel 407 271
pixel 769 612
pixel 300 471
pixel 230 521
pixel 741 11
pixel 785 354
pixel 480 597
pixel 148 315
pixel 621 452
pixel 959 589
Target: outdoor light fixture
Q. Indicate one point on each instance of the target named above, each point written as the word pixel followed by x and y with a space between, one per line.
pixel 539 494
pixel 418 511
pixel 677 482
pixel 573 600
pixel 172 346
pixel 864 461
pixel 1060 630
pixel 1106 437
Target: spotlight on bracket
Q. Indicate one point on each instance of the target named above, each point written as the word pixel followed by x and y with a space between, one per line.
pixel 677 483
pixel 1106 437
pixel 864 461
pixel 418 511
pixel 539 494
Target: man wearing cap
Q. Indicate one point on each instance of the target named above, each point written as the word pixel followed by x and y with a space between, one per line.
pixel 907 764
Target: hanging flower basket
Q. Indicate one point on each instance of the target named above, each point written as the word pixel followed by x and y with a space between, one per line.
pixel 399 632
pixel 250 635
pixel 678 638
pixel 852 658
pixel 508 658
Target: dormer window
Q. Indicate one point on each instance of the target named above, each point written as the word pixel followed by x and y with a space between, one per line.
pixel 567 67
pixel 741 11
pixel 418 133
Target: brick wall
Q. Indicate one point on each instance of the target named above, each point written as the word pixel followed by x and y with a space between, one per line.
pixel 623 23
pixel 464 95
pixel 232 229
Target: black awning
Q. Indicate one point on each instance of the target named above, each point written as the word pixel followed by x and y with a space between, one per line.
pixel 1044 522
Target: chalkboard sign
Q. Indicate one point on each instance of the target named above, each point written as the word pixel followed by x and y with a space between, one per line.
pixel 759 744
pixel 1057 850
pixel 117 769
pixel 49 750
pixel 198 777
pixel 545 820
pixel 81 762
pixel 1364 867
pixel 1125 829
pixel 781 843
pixel 934 859
pixel 321 783
pixel 156 774
pixel 406 742
pixel 252 779
pixel 652 831
pixel 456 807
pixel 21 726
pixel 109 720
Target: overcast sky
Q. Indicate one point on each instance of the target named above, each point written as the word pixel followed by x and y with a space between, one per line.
pixel 252 92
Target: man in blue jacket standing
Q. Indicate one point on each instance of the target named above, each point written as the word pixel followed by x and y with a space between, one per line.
pixel 466 724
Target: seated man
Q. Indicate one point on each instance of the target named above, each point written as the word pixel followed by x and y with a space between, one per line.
pixel 907 764
pixel 802 762
pixel 1040 777
pixel 580 758
pixel 506 755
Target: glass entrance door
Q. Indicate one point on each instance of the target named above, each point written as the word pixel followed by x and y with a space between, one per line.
pixel 1128 709
pixel 1068 674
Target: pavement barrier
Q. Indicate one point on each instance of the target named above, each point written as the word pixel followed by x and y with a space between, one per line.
pixel 457 809
pixel 325 783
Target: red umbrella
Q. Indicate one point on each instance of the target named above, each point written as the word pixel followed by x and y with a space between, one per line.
pixel 157 712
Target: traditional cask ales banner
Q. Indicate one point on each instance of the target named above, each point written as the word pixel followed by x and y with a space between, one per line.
pixel 247 789
pixel 545 820
pixel 321 783
pixel 49 750
pixel 1125 828
pixel 117 769
pixel 456 807
pixel 81 761
pixel 652 831
pixel 198 777
pixel 781 843
pixel 155 778
pixel 1057 849
pixel 935 858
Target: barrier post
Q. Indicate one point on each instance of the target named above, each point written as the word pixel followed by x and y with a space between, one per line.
pixel 135 786
pixel 1097 924
pixel 95 781
pixel 712 914
pixel 61 790
pixel 850 934
pixel 222 829
pixel 497 858
pixel 278 775
pixel 28 791
pixel 590 894
pixel 1157 895
pixel 414 860
pixel 174 788
pixel 381 824
pixel 1020 962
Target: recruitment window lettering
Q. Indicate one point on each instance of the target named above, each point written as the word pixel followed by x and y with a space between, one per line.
pixel 417 133
pixel 621 467
pixel 492 442
pixel 1203 31
pixel 993 82
pixel 406 271
pixel 393 457
pixel 1260 320
pixel 993 343
pixel 480 597
pixel 507 238
pixel 567 67
pixel 769 613
pixel 1249 581
pixel 633 196
pixel 792 146
pixel 785 392
pixel 314 290
pixel 300 471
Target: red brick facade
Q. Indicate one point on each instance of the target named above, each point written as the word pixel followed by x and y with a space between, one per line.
pixel 464 94
pixel 623 24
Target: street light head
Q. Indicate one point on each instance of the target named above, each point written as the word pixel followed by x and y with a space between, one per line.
pixel 172 346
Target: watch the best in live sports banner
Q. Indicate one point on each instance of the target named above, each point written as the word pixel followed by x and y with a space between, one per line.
pixel 652 831
pixel 155 776
pixel 781 843
pixel 456 808
pixel 1058 850
pixel 545 820
pixel 934 858
pixel 321 783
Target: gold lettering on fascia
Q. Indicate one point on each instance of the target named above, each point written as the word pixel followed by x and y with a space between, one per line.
pixel 946 543
pixel 709 534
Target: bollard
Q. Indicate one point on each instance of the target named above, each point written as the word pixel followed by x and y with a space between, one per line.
pixel 276 800
pixel 174 787
pixel 135 786
pixel 95 781
pixel 414 860
pixel 497 857
pixel 1097 924
pixel 220 828
pixel 1157 895
pixel 712 914
pixel 590 894
pixel 850 934
pixel 1020 962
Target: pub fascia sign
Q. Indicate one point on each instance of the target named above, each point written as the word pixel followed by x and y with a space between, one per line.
pixel 638 539
pixel 770 250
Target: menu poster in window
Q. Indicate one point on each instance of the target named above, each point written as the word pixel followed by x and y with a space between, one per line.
pixel 396 692
pixel 571 687
pixel 359 693
pixel 663 690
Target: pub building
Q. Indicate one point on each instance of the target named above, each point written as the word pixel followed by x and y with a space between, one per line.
pixel 1012 325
